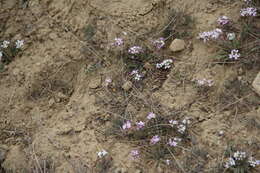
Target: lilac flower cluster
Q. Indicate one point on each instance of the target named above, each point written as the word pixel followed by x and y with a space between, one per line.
pixel 159 43
pixel 205 82
pixel 181 126
pixel 234 54
pixel 210 35
pixel 223 20
pixel 151 115
pixel 174 142
pixel 239 156
pixel 166 64
pixel 155 139
pixel 118 42
pixel 140 125
pixel 135 154
pixel 135 50
pixel 127 125
pixel 249 11
pixel 136 75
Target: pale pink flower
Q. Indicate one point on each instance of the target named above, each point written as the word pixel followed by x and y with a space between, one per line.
pixel 155 139
pixel 135 154
pixel 151 115
pixel 140 125
pixel 223 20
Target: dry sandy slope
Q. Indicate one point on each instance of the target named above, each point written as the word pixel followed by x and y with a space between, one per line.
pixel 45 96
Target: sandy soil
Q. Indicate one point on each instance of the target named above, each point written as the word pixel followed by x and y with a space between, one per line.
pixel 50 107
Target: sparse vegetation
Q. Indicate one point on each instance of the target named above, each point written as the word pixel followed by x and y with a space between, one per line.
pixel 141 94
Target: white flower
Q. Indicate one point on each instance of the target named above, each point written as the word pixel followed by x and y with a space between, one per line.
pixel 205 82
pixel 136 75
pixel 221 132
pixel 173 122
pixel 239 155
pixel 168 162
pixel 186 121
pixel 249 11
pixel 5 44
pixel 166 64
pixel 253 162
pixel 181 128
pixel 102 153
pixel 234 54
pixel 19 43
pixel 127 125
pixel 231 162
pixel 135 50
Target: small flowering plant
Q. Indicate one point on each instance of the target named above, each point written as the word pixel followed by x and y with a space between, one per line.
pixel 240 160
pixel 165 64
pixel 135 154
pixel 127 125
pixel 210 35
pixel 204 82
pixel 135 50
pixel 234 54
pixel 118 42
pixel 8 50
pixel 155 139
pixel 136 75
pixel 249 11
pixel 156 134
pixel 223 20
pixel 159 43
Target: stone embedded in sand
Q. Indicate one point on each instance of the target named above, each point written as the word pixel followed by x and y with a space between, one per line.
pixel 256 83
pixel 127 85
pixel 177 45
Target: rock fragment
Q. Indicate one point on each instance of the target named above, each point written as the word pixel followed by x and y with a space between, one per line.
pixel 177 45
